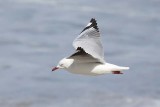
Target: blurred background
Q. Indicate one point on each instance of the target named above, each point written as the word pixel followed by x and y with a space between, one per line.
pixel 36 34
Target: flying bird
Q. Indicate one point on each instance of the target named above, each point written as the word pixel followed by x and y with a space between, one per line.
pixel 88 58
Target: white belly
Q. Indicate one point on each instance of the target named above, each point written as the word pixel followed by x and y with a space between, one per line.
pixel 89 68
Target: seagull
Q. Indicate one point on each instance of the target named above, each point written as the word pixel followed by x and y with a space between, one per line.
pixel 88 59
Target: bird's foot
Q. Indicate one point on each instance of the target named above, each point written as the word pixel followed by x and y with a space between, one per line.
pixel 117 72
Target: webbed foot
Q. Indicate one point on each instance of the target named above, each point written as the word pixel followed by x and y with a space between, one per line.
pixel 117 72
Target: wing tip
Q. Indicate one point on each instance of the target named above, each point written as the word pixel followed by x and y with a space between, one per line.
pixel 93 20
pixel 93 23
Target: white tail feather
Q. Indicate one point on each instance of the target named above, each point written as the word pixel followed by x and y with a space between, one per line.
pixel 124 68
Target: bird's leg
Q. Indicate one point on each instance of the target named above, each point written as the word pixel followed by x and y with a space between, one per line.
pixel 117 72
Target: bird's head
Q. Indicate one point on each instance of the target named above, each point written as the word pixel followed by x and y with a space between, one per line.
pixel 63 64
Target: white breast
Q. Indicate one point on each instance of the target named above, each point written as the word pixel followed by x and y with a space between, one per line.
pixel 88 68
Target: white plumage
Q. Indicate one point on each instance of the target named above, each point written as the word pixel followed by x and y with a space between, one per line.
pixel 89 56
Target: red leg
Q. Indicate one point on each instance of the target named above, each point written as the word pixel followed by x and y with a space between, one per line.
pixel 117 72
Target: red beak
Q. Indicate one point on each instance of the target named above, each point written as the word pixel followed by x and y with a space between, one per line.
pixel 55 68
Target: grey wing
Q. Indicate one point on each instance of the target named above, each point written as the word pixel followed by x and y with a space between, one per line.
pixel 89 41
pixel 81 56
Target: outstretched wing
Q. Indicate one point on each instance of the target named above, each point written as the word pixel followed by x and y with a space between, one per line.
pixel 89 41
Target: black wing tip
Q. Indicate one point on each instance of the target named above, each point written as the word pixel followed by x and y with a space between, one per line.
pixel 93 20
pixel 93 24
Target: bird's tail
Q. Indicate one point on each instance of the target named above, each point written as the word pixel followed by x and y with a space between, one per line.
pixel 124 68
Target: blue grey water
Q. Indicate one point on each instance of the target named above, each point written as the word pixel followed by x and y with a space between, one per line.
pixel 36 34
